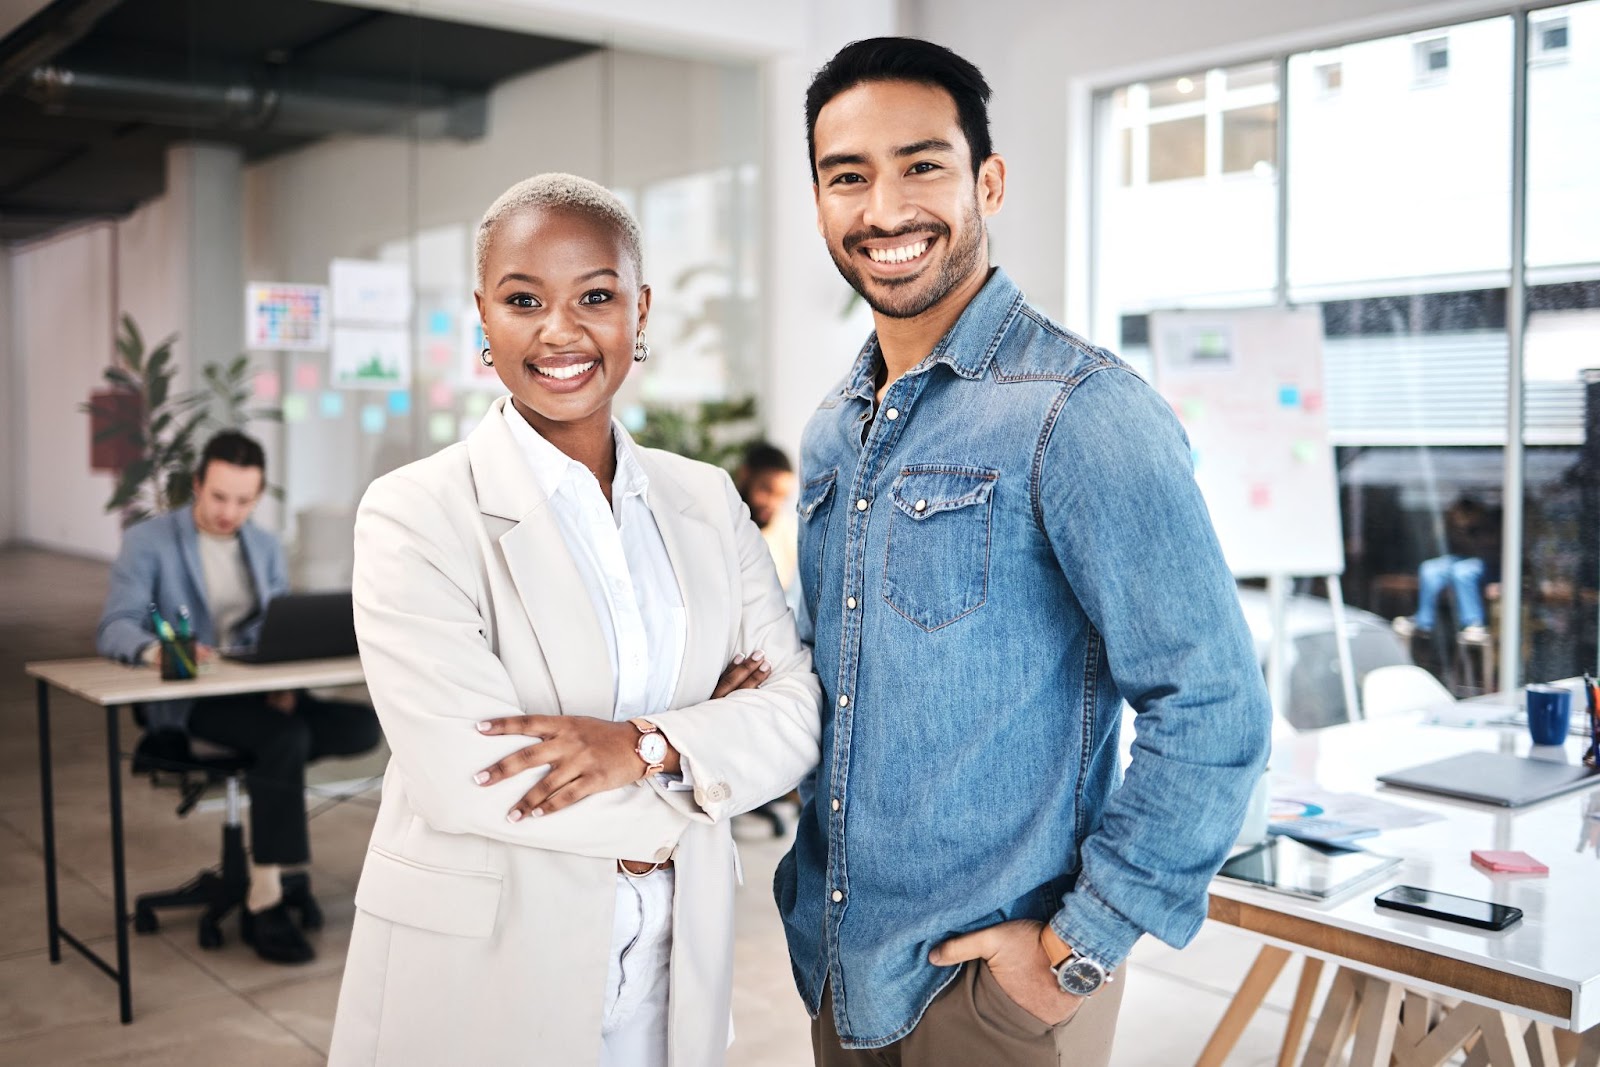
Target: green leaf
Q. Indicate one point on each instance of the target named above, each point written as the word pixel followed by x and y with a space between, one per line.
pixel 238 366
pixel 158 390
pixel 130 343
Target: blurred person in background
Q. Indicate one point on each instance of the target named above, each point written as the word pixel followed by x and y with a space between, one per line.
pixel 1470 563
pixel 765 480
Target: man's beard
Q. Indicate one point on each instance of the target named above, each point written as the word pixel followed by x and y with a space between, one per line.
pixel 909 297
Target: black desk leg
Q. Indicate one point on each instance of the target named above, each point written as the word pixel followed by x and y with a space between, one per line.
pixel 47 804
pixel 119 875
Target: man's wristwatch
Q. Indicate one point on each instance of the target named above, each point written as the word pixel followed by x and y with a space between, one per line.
pixel 652 746
pixel 1076 974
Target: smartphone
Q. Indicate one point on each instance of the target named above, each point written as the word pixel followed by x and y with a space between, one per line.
pixel 1483 914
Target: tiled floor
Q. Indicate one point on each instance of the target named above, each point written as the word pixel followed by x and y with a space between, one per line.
pixel 226 1007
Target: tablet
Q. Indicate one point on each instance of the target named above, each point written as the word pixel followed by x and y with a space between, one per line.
pixel 1304 869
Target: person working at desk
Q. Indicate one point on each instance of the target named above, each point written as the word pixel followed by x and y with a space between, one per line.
pixel 209 560
pixel 1470 562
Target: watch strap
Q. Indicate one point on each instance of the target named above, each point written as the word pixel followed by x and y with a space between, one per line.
pixel 1056 950
pixel 646 728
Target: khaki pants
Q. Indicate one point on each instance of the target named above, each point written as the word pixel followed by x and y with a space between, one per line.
pixel 974 1024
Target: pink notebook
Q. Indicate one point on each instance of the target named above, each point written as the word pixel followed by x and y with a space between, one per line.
pixel 1518 862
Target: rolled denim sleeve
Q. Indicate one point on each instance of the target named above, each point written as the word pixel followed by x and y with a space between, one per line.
pixel 1117 498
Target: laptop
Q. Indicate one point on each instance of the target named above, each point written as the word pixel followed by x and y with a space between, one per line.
pixel 302 626
pixel 1494 778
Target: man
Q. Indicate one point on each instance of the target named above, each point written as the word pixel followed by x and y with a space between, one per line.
pixel 210 561
pixel 1001 540
pixel 765 480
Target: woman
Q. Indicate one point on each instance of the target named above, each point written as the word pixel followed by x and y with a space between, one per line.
pixel 549 595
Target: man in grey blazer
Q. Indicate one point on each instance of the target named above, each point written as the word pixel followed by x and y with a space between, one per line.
pixel 209 561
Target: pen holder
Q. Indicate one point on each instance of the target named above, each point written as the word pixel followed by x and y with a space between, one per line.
pixel 178 659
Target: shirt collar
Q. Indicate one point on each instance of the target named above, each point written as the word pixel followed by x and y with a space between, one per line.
pixel 969 345
pixel 553 468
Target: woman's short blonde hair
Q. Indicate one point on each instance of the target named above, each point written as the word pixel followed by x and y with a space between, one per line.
pixel 560 192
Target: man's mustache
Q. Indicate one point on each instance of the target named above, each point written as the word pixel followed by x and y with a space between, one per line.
pixel 852 241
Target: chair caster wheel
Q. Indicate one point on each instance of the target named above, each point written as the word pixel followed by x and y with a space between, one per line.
pixel 145 921
pixel 210 935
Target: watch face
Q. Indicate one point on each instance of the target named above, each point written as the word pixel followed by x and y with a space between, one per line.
pixel 652 748
pixel 1080 977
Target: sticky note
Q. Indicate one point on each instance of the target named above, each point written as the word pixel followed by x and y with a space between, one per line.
pixel 440 354
pixel 1289 396
pixel 477 404
pixel 373 419
pixel 1311 400
pixel 307 377
pixel 1193 408
pixel 295 407
pixel 1194 458
pixel 439 323
pixel 441 395
pixel 1260 496
pixel 400 402
pixel 266 386
pixel 441 427
pixel 1304 451
pixel 331 404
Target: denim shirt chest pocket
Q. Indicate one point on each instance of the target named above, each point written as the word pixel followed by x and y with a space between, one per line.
pixel 816 505
pixel 936 567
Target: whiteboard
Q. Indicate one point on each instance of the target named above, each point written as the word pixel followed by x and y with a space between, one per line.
pixel 1248 387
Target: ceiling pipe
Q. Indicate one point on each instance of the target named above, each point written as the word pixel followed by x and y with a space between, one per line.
pixel 48 34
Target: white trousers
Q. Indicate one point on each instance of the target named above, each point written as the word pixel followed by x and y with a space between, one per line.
pixel 638 979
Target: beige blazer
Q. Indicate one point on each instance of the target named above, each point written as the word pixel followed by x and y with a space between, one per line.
pixel 482 941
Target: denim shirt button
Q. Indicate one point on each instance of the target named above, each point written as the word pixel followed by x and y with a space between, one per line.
pixel 844 701
pixel 837 896
pixel 861 505
pixel 835 803
pixel 850 602
pixel 921 505
pixel 892 414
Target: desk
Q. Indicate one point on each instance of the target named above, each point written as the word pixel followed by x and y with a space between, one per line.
pixel 112 686
pixel 1546 968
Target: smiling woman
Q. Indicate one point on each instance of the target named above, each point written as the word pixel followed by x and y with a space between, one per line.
pixel 545 614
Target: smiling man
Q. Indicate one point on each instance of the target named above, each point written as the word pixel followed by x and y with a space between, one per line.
pixel 1001 541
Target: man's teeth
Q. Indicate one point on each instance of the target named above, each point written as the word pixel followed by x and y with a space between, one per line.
pixel 897 255
pixel 561 374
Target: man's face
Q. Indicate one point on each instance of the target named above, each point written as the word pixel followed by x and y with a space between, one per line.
pixel 225 496
pixel 897 203
pixel 765 493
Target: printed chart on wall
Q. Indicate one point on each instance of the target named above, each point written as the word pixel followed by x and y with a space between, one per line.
pixel 1248 387
pixel 371 324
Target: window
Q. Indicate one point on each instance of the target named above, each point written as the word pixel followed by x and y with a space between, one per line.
pixel 1178 149
pixel 1188 89
pixel 1250 139
pixel 1430 60
pixel 1547 39
pixel 1330 78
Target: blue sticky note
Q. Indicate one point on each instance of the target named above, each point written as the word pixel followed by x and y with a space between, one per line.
pixel 331 404
pixel 373 419
pixel 400 402
pixel 439 323
pixel 1289 396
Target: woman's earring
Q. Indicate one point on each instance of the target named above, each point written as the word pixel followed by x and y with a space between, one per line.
pixel 641 350
pixel 484 358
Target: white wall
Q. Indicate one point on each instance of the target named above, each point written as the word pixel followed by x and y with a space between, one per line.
pixel 1034 54
pixel 62 300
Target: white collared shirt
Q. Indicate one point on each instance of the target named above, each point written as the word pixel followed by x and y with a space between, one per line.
pixel 624 565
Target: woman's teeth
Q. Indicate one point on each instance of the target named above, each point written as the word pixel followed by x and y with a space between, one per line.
pixel 562 374
pixel 897 255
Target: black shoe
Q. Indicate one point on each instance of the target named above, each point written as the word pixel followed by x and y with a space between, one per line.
pixel 275 936
pixel 297 895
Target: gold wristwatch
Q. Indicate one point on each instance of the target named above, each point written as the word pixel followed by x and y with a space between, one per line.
pixel 652 746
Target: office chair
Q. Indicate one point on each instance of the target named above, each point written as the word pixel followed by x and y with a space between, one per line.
pixel 218 891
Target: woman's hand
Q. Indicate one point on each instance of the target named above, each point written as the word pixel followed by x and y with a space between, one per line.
pixel 587 755
pixel 745 672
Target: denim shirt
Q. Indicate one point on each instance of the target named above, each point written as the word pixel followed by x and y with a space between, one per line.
pixel 1013 546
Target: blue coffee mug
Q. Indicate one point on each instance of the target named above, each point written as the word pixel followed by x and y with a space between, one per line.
pixel 1549 714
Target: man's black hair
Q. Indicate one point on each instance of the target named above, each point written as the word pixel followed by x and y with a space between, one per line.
pixel 905 59
pixel 231 446
pixel 761 457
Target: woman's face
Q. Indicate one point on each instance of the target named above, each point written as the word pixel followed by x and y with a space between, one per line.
pixel 561 305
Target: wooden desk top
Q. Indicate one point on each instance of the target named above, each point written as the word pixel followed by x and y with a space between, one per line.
pixel 1547 966
pixel 100 681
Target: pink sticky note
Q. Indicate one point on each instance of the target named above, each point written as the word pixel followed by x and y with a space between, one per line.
pixel 440 354
pixel 440 395
pixel 1260 496
pixel 1311 400
pixel 265 385
pixel 307 378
